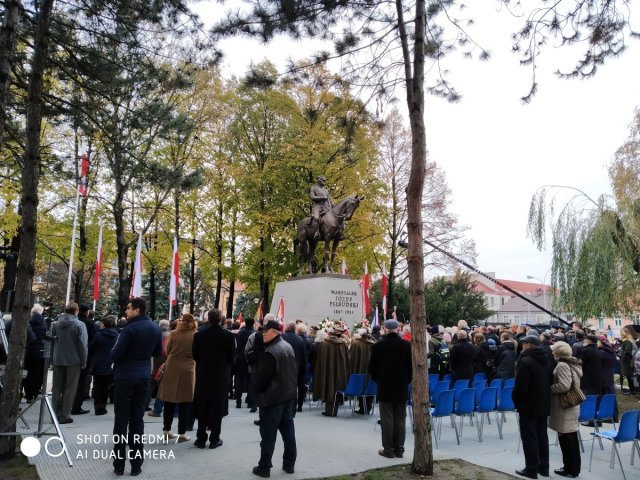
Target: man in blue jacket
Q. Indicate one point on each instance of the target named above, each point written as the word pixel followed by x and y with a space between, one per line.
pixel 140 340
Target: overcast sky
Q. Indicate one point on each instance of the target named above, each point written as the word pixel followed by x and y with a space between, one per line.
pixel 496 151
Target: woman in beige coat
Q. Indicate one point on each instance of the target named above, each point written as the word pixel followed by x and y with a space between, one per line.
pixel 565 420
pixel 179 378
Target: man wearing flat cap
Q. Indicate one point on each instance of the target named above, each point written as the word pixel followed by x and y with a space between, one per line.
pixel 592 381
pixel 390 368
pixel 276 384
pixel 532 398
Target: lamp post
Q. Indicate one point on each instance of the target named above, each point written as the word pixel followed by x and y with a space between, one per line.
pixel 542 285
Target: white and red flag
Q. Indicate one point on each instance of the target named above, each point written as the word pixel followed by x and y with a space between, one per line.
pixel 280 312
pixel 136 280
pixel 259 313
pixel 384 294
pixel 96 275
pixel 83 187
pixel 365 290
pixel 175 274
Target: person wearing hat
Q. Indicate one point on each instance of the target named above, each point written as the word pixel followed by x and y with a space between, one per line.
pixel 592 382
pixel 609 361
pixel 276 384
pixel 545 344
pixel 461 358
pixel 390 367
pixel 331 370
pixel 435 358
pixel 532 398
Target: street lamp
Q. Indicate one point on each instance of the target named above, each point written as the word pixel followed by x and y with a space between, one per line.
pixel 544 291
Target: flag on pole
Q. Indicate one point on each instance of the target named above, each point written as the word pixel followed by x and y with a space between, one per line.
pixel 96 275
pixel 395 312
pixel 280 312
pixel 84 170
pixel 259 313
pixel 175 274
pixel 375 319
pixel 365 290
pixel 344 266
pixel 136 280
pixel 240 319
pixel 384 295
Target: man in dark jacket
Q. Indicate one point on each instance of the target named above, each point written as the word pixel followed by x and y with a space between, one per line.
pixel 139 341
pixel 276 384
pixel 300 351
pixel 242 369
pixel 390 367
pixel 101 369
pixel 506 357
pixel 82 388
pixel 592 381
pixel 532 398
pixel 213 352
pixel 34 354
pixel 461 358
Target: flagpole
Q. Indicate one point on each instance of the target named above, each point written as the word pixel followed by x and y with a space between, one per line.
pixel 96 282
pixel 73 246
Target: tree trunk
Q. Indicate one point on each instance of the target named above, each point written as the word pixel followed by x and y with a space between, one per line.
pixel 8 36
pixel 423 449
pixel 9 274
pixel 192 277
pixel 219 256
pixel 232 282
pixel 10 399
pixel 232 288
pixel 124 286
pixel 79 276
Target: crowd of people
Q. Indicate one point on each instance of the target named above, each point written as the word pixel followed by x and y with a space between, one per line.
pixel 193 368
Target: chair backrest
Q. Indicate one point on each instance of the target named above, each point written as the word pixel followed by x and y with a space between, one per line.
pixel 447 377
pixel 372 388
pixel 509 382
pixel 435 391
pixel 628 428
pixel 488 400
pixel 496 383
pixel 355 385
pixel 444 405
pixel 479 376
pixel 607 406
pixel 459 386
pixel 466 401
pixel 434 378
pixel 479 384
pixel 588 408
pixel 505 403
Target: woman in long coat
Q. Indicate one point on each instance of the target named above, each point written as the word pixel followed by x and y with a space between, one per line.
pixel 179 378
pixel 627 338
pixel 359 356
pixel 331 370
pixel 565 420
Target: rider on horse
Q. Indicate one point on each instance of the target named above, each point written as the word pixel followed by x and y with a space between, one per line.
pixel 320 200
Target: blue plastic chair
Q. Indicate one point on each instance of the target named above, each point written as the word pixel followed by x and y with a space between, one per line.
pixel 354 389
pixel 371 390
pixel 479 384
pixel 628 432
pixel 435 391
pixel 505 404
pixel 459 386
pixel 605 411
pixel 444 408
pixel 466 406
pixel 479 376
pixel 588 414
pixel 434 378
pixel 636 444
pixel 509 382
pixel 496 383
pixel 446 378
pixel 487 404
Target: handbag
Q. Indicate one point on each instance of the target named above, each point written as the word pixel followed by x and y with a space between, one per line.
pixel 573 396
pixel 159 373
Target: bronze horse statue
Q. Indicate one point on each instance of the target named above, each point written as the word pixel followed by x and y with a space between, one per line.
pixel 332 222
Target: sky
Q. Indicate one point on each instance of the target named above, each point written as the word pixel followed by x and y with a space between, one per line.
pixel 496 151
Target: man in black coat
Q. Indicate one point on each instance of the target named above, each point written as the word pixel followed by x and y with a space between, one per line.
pixel 82 388
pixel 390 367
pixel 213 352
pixel 592 381
pixel 461 358
pixel 532 398
pixel 300 351
pixel 242 369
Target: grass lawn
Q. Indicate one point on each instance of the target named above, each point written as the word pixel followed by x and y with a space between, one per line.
pixel 18 468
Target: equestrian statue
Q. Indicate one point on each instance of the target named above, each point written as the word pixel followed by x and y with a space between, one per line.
pixel 325 223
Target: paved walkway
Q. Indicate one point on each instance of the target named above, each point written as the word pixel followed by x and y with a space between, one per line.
pixel 326 447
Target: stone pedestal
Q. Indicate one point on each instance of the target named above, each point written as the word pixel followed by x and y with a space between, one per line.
pixel 313 298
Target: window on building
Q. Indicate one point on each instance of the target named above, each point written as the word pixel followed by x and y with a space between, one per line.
pixel 617 321
pixel 502 301
pixel 516 318
pixel 492 301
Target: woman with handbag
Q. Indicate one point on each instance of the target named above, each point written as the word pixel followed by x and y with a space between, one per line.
pixel 565 390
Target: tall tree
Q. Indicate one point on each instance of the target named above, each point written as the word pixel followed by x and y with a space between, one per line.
pixel 380 30
pixel 10 398
pixel 8 40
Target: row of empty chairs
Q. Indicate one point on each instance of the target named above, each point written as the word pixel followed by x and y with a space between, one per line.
pixel 358 387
